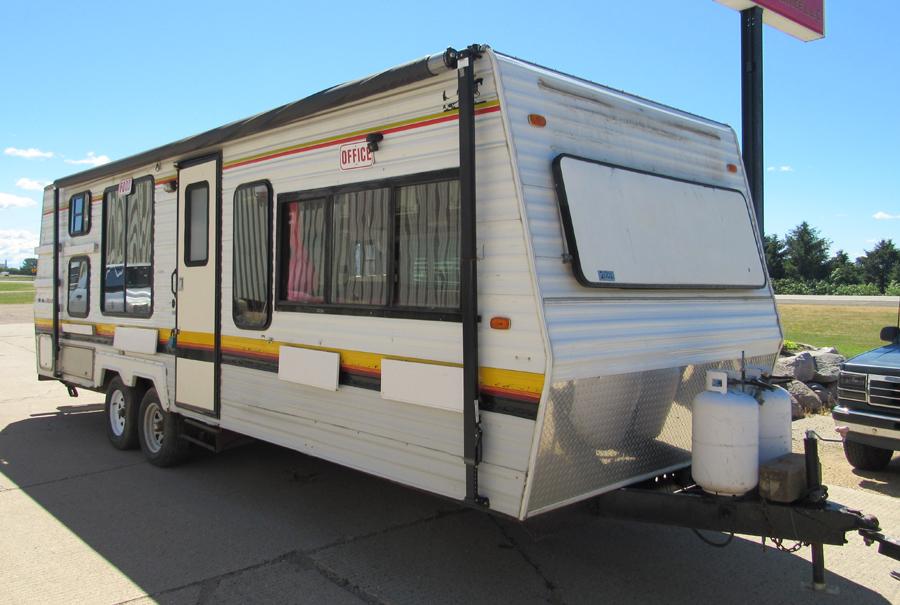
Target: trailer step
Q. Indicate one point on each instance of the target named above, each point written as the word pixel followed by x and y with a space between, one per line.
pixel 213 438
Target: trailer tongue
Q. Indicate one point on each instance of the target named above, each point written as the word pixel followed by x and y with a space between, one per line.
pixel 812 520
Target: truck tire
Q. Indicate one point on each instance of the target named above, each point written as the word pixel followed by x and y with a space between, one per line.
pixel 159 431
pixel 121 412
pixel 866 457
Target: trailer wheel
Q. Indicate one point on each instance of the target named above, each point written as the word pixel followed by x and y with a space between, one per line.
pixel 121 414
pixel 866 457
pixel 159 432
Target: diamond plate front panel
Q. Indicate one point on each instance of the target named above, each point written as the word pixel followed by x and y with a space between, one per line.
pixel 612 430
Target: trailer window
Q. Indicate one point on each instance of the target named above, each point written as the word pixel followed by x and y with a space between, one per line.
pixel 359 249
pixel 428 245
pixel 127 280
pixel 80 213
pixel 630 229
pixel 79 286
pixel 196 215
pixel 387 248
pixel 250 302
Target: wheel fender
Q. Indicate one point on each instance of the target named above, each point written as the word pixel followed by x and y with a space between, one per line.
pixel 129 369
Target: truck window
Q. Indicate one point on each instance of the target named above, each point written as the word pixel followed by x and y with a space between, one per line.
pixel 127 282
pixel 251 303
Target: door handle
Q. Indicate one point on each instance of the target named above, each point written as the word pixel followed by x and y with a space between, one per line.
pixel 172 281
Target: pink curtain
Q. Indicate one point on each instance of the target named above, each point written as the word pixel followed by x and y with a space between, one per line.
pixel 303 279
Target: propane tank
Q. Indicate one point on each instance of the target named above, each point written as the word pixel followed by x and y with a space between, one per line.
pixel 774 423
pixel 725 441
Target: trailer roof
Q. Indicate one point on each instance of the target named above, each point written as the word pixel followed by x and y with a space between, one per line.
pixel 341 94
pixel 335 96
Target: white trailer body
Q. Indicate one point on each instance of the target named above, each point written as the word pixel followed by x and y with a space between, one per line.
pixel 278 278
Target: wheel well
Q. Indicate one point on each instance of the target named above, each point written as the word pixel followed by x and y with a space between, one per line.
pixel 141 384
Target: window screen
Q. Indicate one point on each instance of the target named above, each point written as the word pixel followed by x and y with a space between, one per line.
pixel 80 213
pixel 196 217
pixel 79 286
pixel 128 250
pixel 391 245
pixel 252 220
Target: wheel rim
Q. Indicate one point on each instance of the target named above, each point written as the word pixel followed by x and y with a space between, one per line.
pixel 153 427
pixel 117 413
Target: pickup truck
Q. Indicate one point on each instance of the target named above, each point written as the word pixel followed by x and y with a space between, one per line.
pixel 868 410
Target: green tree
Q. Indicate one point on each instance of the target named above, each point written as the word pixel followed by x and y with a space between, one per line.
pixel 29 266
pixel 879 263
pixel 774 248
pixel 806 253
pixel 842 271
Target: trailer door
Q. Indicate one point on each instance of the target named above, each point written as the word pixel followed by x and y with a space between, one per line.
pixel 197 296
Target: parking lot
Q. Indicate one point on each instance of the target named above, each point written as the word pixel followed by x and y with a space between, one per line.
pixel 83 522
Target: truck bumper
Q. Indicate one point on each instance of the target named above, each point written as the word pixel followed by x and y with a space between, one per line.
pixel 879 430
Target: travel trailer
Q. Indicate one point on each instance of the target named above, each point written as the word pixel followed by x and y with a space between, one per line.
pixel 469 274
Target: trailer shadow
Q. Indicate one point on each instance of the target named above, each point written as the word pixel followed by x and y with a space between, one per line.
pixel 265 524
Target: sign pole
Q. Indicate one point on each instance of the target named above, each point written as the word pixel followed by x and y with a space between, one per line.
pixel 752 106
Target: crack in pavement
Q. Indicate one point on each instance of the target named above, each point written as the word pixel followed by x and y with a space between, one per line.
pixel 69 477
pixel 303 560
pixel 554 596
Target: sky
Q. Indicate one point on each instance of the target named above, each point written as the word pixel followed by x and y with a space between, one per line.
pixel 82 83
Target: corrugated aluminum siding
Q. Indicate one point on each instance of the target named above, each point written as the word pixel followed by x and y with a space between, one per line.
pixel 594 333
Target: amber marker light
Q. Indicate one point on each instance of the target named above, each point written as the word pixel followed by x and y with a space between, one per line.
pixel 732 168
pixel 537 120
pixel 500 323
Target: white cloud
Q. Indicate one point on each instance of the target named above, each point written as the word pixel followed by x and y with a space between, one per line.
pixel 884 216
pixel 91 160
pixel 30 185
pixel 782 168
pixel 8 200
pixel 16 245
pixel 29 154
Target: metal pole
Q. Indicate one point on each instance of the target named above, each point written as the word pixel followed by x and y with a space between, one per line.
pixel 814 486
pixel 469 273
pixel 56 283
pixel 752 105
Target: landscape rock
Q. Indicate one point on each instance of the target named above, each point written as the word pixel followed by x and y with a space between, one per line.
pixel 807 398
pixel 800 367
pixel 827 393
pixel 828 366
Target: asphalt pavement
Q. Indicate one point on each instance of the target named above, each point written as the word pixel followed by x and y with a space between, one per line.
pixel 81 522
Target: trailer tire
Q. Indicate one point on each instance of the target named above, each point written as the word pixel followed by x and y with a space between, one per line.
pixel 121 412
pixel 159 433
pixel 866 457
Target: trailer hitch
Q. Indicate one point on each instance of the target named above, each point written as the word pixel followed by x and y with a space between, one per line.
pixel 813 520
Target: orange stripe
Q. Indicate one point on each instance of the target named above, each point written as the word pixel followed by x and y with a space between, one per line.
pixel 352 138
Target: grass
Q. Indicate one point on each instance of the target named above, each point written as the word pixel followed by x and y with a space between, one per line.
pixel 17 278
pixel 19 292
pixel 850 329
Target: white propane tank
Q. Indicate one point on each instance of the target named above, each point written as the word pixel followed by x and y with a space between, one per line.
pixel 725 441
pixel 774 424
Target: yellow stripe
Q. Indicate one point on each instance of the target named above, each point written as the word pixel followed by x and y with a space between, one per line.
pixel 515 380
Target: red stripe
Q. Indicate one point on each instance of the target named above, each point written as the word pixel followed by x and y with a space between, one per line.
pixel 359 137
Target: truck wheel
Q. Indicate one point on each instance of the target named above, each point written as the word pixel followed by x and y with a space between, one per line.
pixel 866 457
pixel 159 432
pixel 121 414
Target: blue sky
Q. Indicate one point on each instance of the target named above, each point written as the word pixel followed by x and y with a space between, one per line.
pixel 88 81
